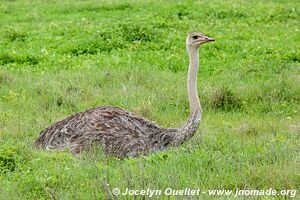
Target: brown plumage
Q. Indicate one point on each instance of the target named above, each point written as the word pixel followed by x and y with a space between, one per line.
pixel 121 133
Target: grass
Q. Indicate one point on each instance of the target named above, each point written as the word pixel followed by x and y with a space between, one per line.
pixel 63 57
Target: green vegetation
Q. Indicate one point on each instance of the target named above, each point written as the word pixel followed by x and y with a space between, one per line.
pixel 62 57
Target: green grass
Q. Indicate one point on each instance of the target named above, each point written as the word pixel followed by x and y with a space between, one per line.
pixel 63 57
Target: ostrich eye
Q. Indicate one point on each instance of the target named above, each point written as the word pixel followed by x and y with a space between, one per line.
pixel 195 37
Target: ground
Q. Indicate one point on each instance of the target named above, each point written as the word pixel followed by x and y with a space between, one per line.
pixel 61 57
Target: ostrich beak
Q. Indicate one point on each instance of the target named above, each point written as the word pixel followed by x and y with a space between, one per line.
pixel 208 39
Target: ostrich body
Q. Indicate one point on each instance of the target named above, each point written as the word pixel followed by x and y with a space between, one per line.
pixel 121 133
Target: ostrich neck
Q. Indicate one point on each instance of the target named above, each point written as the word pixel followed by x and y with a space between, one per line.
pixel 192 81
pixel 188 130
pixel 177 136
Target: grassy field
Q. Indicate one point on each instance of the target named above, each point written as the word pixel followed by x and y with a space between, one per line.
pixel 61 57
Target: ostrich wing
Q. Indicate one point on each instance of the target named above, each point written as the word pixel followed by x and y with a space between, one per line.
pixel 118 131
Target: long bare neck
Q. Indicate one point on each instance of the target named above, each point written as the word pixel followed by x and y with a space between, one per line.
pixel 177 136
pixel 192 81
pixel 189 128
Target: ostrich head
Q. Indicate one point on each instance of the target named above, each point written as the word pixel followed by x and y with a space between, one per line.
pixel 195 39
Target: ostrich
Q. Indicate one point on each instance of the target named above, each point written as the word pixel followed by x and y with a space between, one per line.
pixel 122 133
